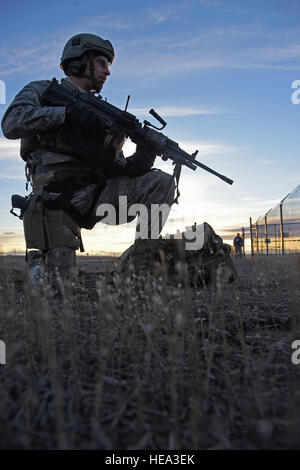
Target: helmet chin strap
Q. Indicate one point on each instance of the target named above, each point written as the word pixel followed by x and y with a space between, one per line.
pixel 96 83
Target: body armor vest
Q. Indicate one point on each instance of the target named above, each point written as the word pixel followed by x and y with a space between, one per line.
pixel 52 140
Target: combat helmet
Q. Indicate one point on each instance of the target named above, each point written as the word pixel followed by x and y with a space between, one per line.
pixel 78 46
pixel 80 50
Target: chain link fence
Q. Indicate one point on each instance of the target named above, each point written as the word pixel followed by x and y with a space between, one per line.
pixel 278 231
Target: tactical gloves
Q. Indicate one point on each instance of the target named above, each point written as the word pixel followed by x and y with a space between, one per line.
pixel 82 120
pixel 142 160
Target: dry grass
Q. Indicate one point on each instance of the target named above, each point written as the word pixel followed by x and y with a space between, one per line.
pixel 138 364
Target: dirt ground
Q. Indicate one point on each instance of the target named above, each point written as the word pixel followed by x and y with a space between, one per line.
pixel 138 364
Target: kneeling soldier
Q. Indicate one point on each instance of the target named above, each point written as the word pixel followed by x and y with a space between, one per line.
pixel 66 189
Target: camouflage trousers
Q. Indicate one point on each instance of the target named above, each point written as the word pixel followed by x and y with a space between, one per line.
pixel 120 194
pixel 149 190
pixel 141 193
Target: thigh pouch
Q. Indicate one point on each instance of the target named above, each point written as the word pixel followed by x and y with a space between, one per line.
pixel 48 228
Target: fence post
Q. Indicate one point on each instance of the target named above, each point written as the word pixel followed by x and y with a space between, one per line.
pixel 251 237
pixel 281 230
pixel 243 235
pixel 266 235
pixel 257 240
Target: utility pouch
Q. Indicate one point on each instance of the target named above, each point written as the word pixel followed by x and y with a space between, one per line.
pixel 61 230
pixel 47 228
pixel 33 218
pixel 28 144
pixel 33 223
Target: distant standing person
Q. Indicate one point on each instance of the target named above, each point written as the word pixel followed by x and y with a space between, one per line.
pixel 238 243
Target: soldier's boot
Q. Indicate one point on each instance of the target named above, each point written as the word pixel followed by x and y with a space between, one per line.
pixel 61 269
pixel 55 270
pixel 35 267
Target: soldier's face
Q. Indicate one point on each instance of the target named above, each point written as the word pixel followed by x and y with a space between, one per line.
pixel 101 71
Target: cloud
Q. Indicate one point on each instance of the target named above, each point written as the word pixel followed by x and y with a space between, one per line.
pixel 148 57
pixel 162 14
pixel 209 3
pixel 234 229
pixel 206 148
pixel 267 161
pixel 288 52
pixel 268 202
pixel 176 11
pixel 149 65
pixel 12 177
pixel 34 53
pixel 43 52
pixel 107 23
pixel 167 12
pixel 11 164
pixel 249 198
pixel 9 149
pixel 12 240
pixel 223 47
pixel 173 111
pixel 189 146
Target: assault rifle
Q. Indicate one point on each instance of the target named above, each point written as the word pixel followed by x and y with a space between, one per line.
pixel 114 121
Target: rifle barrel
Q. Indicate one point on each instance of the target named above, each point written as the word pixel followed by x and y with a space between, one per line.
pixel 222 177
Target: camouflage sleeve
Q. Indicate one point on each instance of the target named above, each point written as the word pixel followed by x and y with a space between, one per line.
pixel 25 115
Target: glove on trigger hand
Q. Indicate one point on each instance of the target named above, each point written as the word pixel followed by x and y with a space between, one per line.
pixel 82 119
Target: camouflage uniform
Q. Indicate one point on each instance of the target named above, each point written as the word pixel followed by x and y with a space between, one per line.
pixel 52 167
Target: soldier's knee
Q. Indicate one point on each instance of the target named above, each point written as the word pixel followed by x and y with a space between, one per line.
pixel 162 177
pixel 162 180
